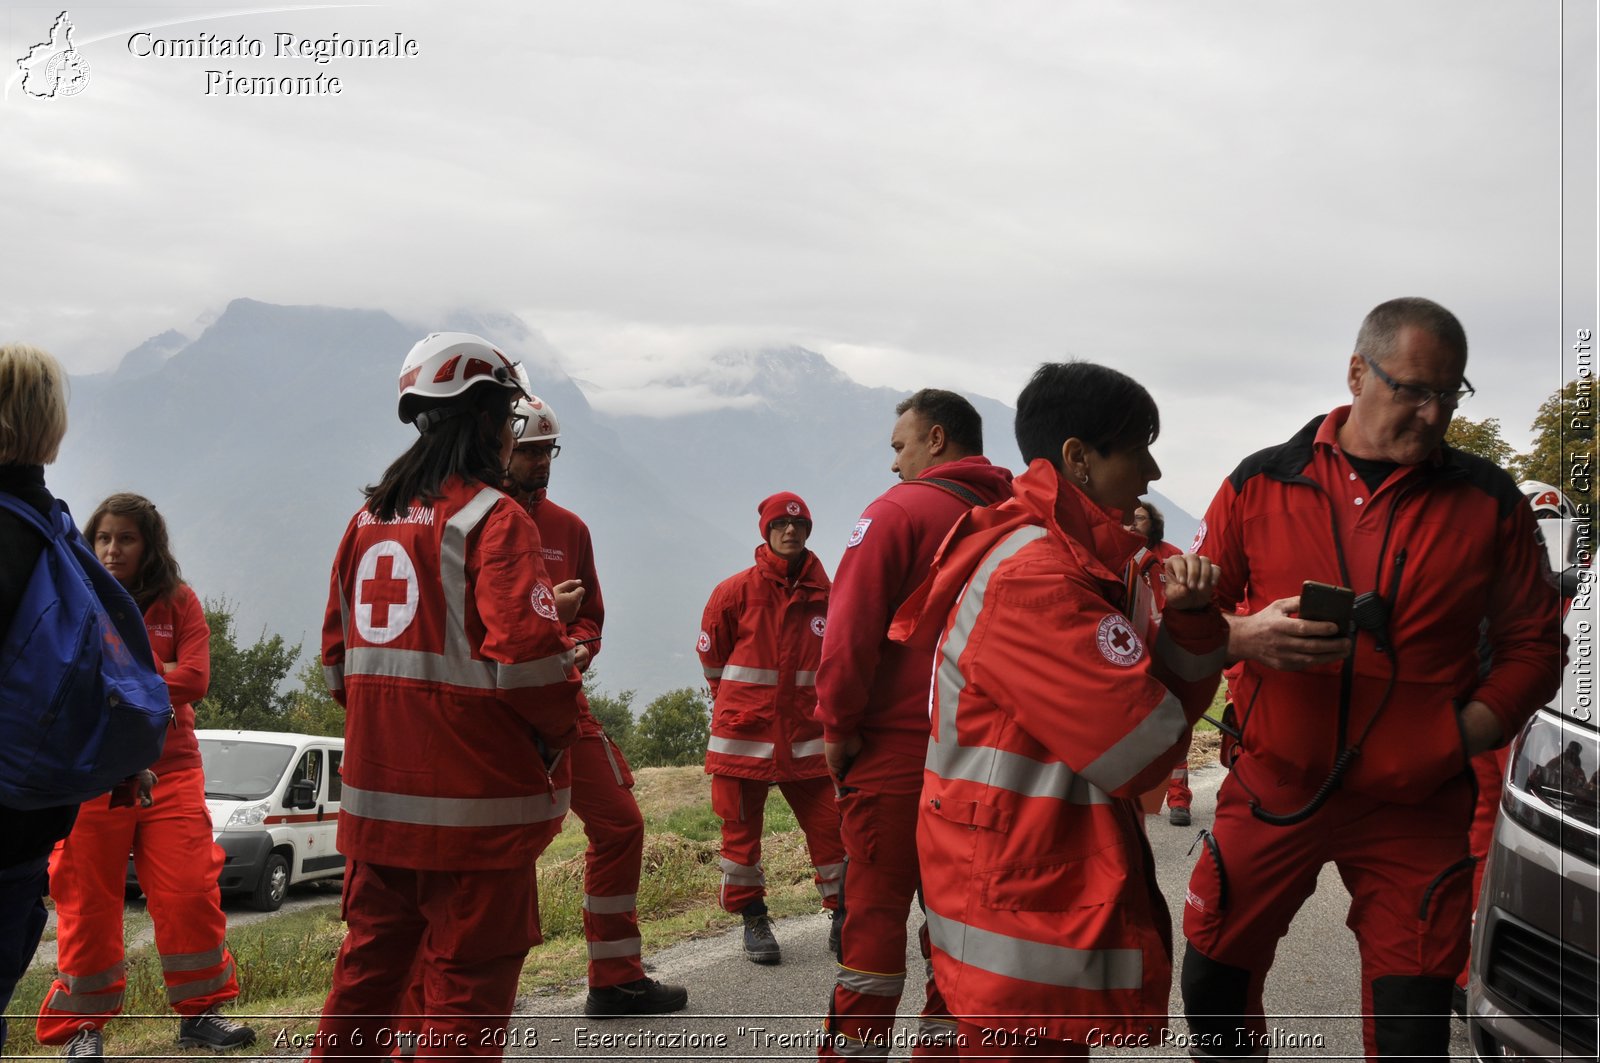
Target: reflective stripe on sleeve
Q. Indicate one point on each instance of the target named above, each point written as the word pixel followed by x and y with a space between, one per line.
pixel 333 676
pixel 456 811
pixel 738 673
pixel 738 747
pixel 712 671
pixel 805 679
pixel 1033 961
pixel 1014 772
pixel 1152 736
pixel 1189 667
pixel 543 672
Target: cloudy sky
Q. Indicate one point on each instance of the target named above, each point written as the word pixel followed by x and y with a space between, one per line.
pixel 1208 195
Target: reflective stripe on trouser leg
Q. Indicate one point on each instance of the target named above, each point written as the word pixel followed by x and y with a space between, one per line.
pixel 741 805
pixel 817 812
pixel 615 828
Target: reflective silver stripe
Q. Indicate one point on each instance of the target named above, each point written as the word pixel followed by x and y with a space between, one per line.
pixel 1154 735
pixel 936 1031
pixel 855 1048
pixel 741 874
pixel 740 674
pixel 333 676
pixel 1033 961
pixel 829 871
pixel 92 983
pixel 192 961
pixel 805 679
pixel 83 1003
pixel 810 748
pixel 612 950
pixel 611 758
pixel 543 672
pixel 992 767
pixel 712 672
pixel 1189 667
pixel 621 904
pixel 829 878
pixel 206 986
pixel 869 984
pixel 736 747
pixel 456 811
pixel 453 570
pixel 1012 771
pixel 420 664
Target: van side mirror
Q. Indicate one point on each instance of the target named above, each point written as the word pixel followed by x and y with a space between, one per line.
pixel 302 794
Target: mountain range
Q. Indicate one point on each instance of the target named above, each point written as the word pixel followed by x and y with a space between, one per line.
pixel 256 436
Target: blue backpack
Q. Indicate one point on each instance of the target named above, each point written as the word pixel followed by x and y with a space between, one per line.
pixel 81 704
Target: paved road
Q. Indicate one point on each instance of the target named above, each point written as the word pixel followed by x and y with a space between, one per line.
pixel 739 1010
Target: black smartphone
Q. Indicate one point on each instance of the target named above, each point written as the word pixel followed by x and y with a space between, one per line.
pixel 1323 601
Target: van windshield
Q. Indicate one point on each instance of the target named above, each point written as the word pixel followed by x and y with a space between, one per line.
pixel 243 771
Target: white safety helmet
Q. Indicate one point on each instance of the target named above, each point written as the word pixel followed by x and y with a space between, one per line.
pixel 1546 501
pixel 444 365
pixel 542 425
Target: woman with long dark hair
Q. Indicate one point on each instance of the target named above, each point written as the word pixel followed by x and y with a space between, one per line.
pixel 446 643
pixel 170 837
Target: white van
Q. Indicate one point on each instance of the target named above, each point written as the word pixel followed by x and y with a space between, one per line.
pixel 274 802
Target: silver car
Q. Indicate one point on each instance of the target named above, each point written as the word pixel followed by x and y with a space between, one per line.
pixel 1534 989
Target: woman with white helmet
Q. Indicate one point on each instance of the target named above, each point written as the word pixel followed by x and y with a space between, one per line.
pixel 445 642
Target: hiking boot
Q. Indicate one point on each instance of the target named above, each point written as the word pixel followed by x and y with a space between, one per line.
pixel 85 1044
pixel 210 1030
pixel 835 928
pixel 1178 816
pixel 643 996
pixel 760 946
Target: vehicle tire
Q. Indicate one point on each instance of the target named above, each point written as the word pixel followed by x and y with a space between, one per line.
pixel 274 885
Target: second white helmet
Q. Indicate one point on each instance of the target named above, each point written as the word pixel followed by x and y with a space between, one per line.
pixel 444 365
pixel 1547 501
pixel 542 426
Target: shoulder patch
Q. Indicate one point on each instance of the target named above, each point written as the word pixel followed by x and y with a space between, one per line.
pixel 544 601
pixel 1199 538
pixel 703 643
pixel 819 624
pixel 859 532
pixel 1117 641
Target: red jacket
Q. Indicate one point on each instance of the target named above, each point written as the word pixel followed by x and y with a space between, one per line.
pixel 1051 714
pixel 867 683
pixel 568 553
pixel 179 636
pixel 1457 536
pixel 760 642
pixel 442 642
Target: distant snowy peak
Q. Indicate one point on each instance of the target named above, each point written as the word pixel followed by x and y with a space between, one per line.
pixel 505 330
pixel 151 355
pixel 766 372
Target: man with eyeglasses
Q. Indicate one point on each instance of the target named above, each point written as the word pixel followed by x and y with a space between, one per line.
pixel 1356 738
pixel 602 794
pixel 760 641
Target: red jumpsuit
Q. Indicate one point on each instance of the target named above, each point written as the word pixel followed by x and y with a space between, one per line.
pixel 877 690
pixel 1052 713
pixel 1447 542
pixel 1147 564
pixel 443 643
pixel 173 853
pixel 760 641
pixel 602 783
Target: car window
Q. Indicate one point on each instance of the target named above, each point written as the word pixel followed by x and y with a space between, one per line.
pixel 243 771
pixel 309 770
pixel 335 783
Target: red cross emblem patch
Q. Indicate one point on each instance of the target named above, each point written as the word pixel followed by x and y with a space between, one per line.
pixel 1117 641
pixel 386 592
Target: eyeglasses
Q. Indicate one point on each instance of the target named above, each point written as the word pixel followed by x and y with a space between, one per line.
pixel 519 421
pixel 1419 396
pixel 540 450
pixel 784 523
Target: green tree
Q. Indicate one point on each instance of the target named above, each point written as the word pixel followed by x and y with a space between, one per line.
pixel 1563 442
pixel 614 713
pixel 245 680
pixel 673 730
pixel 311 709
pixel 1479 437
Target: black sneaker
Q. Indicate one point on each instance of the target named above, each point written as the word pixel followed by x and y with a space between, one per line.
pixel 210 1030
pixel 835 928
pixel 1178 816
pixel 644 996
pixel 760 946
pixel 85 1044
